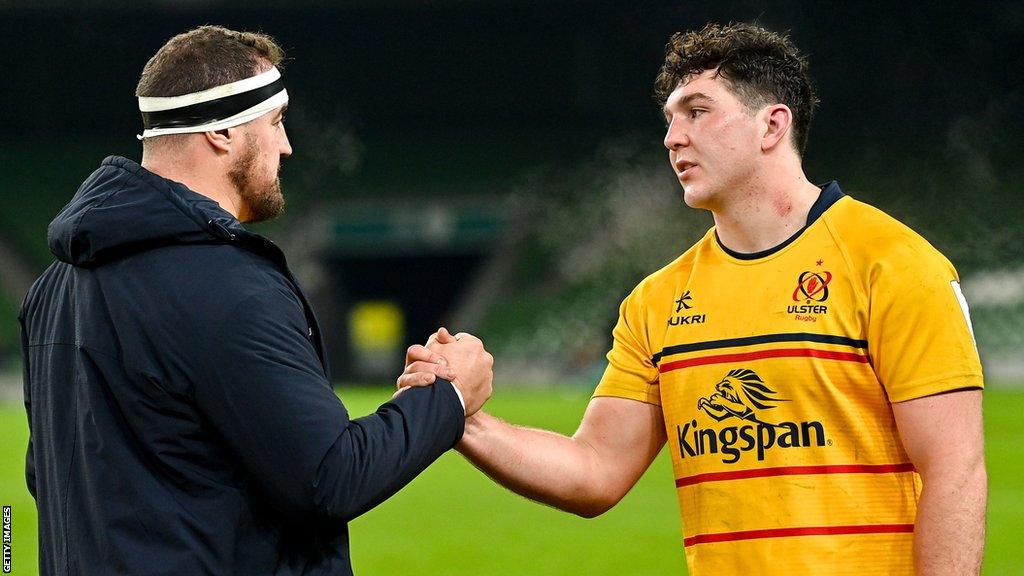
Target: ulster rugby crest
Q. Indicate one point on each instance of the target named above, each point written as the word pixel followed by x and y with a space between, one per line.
pixel 812 286
pixel 812 290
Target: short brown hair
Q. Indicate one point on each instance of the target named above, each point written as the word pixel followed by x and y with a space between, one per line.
pixel 761 67
pixel 206 57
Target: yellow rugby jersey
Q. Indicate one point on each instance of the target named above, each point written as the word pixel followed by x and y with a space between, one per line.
pixel 775 374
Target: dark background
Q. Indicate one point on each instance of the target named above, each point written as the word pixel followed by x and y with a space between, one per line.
pixel 435 101
pixel 883 69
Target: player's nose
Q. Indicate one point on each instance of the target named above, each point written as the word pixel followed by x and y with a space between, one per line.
pixel 286 146
pixel 675 135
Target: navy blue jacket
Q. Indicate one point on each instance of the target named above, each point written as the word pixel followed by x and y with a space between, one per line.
pixel 181 416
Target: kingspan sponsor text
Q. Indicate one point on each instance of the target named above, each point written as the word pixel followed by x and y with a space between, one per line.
pixel 735 441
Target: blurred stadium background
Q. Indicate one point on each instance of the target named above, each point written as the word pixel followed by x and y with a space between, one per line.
pixel 496 167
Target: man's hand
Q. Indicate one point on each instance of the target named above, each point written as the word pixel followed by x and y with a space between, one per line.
pixel 460 359
pixel 423 366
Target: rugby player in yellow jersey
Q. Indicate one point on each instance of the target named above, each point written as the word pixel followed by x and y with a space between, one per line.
pixel 809 362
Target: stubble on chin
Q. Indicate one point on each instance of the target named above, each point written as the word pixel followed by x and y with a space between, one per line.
pixel 261 197
pixel 266 202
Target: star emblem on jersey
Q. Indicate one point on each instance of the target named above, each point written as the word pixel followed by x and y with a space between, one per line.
pixel 684 302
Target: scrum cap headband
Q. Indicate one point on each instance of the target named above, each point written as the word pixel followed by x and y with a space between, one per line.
pixel 218 108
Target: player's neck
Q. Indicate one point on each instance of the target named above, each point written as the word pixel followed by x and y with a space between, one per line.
pixel 766 212
pixel 201 177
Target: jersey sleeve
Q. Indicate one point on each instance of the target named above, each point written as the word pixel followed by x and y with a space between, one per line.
pixel 631 372
pixel 919 333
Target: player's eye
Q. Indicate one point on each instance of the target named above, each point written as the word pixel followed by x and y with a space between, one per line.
pixel 696 112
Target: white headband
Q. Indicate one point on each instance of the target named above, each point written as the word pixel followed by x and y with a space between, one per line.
pixel 205 111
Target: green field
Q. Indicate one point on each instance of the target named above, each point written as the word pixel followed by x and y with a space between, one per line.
pixel 453 521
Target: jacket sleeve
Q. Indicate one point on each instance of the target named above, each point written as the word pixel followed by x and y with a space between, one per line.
pixel 30 461
pixel 263 390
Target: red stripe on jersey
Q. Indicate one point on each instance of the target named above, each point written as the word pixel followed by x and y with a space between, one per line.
pixel 807 531
pixel 778 353
pixel 794 470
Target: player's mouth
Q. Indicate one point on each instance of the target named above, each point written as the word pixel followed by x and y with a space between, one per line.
pixel 683 167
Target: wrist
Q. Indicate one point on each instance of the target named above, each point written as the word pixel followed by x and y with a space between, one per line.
pixel 475 427
pixel 462 399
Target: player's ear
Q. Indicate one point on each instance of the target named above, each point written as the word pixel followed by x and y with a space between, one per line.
pixel 221 140
pixel 775 121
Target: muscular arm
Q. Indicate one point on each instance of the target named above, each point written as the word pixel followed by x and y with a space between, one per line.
pixel 585 474
pixel 943 437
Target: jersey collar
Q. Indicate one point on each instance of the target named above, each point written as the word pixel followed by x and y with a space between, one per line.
pixel 830 194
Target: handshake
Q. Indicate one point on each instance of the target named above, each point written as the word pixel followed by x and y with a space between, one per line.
pixel 460 359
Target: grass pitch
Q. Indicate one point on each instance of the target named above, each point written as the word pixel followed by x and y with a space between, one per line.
pixel 453 521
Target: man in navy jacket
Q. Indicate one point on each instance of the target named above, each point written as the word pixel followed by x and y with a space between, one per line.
pixel 182 419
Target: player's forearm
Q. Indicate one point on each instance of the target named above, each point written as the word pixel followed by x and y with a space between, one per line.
pixel 949 536
pixel 544 466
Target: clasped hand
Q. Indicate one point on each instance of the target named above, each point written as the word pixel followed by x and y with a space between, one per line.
pixel 460 359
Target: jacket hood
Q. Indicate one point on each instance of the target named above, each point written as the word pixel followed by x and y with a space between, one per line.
pixel 122 208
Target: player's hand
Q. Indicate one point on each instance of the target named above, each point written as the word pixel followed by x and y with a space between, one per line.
pixel 470 364
pixel 423 366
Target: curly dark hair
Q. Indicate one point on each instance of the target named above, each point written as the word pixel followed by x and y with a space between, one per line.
pixel 760 67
